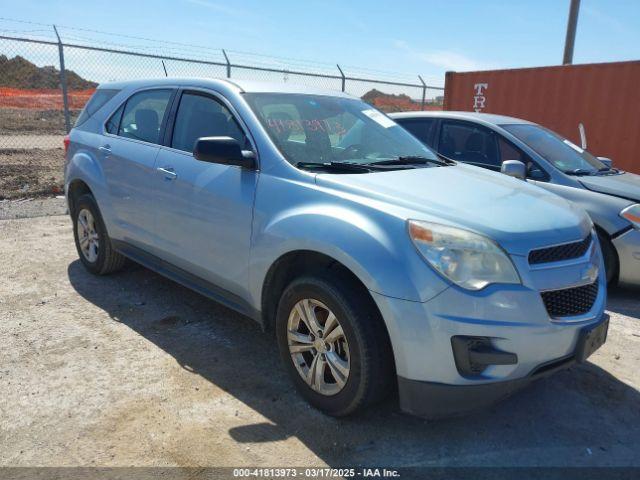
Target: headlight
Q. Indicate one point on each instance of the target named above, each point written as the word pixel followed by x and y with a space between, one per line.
pixel 466 258
pixel 632 213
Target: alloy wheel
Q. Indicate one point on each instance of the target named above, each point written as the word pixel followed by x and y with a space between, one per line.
pixel 318 346
pixel 87 235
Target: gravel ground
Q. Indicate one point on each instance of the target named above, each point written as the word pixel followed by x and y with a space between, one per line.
pixel 33 207
pixel 31 172
pixel 18 121
pixel 134 370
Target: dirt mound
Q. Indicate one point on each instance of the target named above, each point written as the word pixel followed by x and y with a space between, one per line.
pixel 18 72
pixel 388 102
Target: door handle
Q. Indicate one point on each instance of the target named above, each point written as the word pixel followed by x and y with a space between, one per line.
pixel 168 172
pixel 106 149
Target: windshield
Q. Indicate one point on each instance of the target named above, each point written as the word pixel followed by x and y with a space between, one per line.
pixel 323 129
pixel 562 153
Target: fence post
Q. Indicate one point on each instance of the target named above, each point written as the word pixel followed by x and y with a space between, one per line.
pixel 63 83
pixel 343 77
pixel 424 92
pixel 228 63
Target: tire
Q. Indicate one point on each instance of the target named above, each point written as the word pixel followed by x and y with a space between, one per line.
pixel 92 241
pixel 610 258
pixel 367 353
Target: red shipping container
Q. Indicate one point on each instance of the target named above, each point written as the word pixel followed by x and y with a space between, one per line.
pixel 604 97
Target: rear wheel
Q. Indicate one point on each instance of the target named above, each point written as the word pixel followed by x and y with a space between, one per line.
pixel 92 242
pixel 334 345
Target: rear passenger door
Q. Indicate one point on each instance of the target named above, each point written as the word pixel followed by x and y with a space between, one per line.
pixel 204 210
pixel 129 150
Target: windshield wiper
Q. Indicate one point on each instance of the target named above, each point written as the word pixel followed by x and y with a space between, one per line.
pixel 580 171
pixel 352 167
pixel 446 160
pixel 410 160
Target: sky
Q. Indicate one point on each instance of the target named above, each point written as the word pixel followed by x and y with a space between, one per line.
pixel 403 38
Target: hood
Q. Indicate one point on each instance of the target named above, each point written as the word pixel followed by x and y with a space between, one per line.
pixel 625 185
pixel 517 215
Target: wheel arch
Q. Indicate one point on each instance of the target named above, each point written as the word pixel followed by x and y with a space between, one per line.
pixel 297 263
pixel 607 247
pixel 84 174
pixel 294 264
pixel 76 189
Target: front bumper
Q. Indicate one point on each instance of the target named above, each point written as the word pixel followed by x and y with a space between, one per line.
pixel 436 400
pixel 512 316
pixel 628 247
pixel 512 321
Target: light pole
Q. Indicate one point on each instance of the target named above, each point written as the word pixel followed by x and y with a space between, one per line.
pixel 570 40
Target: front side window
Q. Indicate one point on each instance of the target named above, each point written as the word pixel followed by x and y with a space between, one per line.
pixel 469 143
pixel 320 129
pixel 143 114
pixel 421 128
pixel 510 152
pixel 557 150
pixel 203 116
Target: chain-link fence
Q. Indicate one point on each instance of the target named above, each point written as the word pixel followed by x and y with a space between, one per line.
pixel 45 83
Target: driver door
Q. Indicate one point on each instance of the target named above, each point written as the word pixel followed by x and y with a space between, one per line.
pixel 204 211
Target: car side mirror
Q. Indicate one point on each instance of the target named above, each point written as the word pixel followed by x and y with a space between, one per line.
pixel 223 150
pixel 607 161
pixel 514 168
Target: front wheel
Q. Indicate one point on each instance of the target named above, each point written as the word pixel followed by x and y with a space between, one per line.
pixel 334 344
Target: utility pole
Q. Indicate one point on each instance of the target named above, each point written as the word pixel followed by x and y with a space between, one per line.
pixel 567 59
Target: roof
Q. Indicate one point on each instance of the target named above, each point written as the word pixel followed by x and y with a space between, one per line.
pixel 473 116
pixel 241 86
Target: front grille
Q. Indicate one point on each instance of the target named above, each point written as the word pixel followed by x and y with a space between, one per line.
pixel 567 251
pixel 570 301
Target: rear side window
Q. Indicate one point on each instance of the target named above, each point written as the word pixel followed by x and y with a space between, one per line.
pixel 203 116
pixel 421 128
pixel 95 103
pixel 143 114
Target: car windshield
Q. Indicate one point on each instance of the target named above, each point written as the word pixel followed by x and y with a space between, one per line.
pixel 562 153
pixel 314 129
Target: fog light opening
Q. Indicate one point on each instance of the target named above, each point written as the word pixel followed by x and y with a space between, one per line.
pixel 473 355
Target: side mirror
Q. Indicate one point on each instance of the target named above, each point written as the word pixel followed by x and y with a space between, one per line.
pixel 607 161
pixel 223 150
pixel 514 168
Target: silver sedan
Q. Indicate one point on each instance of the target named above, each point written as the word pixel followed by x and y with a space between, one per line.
pixel 543 157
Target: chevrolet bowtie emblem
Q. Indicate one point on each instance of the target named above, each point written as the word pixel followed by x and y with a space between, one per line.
pixel 590 273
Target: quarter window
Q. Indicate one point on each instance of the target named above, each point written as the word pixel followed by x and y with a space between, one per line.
pixel 203 116
pixel 114 121
pixel 143 114
pixel 95 103
pixel 469 143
